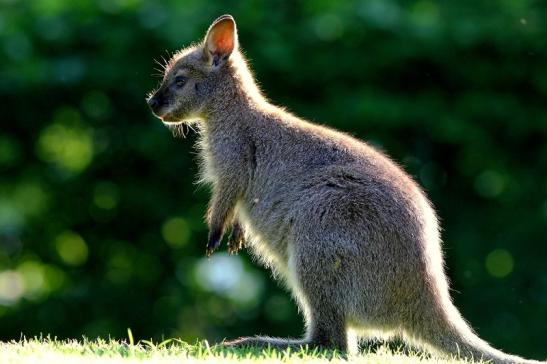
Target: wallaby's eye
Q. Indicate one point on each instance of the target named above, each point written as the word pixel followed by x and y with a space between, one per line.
pixel 180 81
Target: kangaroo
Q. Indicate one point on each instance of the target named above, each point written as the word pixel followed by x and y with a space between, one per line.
pixel 348 231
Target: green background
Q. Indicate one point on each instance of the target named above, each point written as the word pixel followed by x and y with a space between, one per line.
pixel 101 223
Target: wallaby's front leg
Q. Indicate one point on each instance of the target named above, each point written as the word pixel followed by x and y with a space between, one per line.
pixel 221 210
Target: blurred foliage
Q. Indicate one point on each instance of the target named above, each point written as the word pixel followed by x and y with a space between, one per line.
pixel 100 221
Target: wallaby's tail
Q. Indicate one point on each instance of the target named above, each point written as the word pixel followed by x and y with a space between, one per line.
pixel 448 333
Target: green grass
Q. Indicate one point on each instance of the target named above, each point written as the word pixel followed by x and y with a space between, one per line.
pixel 40 350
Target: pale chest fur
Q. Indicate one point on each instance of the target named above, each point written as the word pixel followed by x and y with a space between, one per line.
pixel 207 171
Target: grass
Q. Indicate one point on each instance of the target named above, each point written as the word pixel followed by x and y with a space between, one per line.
pixel 100 351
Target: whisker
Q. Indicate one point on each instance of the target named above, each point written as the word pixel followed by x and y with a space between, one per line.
pixel 162 65
pixel 177 130
pixel 159 72
pixel 190 127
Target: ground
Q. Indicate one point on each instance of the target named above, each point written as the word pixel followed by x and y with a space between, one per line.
pixel 47 350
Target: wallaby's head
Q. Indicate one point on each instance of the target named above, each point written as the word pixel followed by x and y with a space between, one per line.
pixel 195 74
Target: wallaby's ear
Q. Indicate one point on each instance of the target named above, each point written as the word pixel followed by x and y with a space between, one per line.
pixel 220 41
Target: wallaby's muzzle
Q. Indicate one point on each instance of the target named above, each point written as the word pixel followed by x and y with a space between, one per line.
pixel 155 104
pixel 158 105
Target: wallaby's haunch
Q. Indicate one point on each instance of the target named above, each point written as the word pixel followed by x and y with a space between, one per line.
pixel 348 231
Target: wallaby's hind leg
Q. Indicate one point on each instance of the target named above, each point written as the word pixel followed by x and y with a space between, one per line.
pixel 326 333
pixel 316 294
pixel 325 322
pixel 321 336
pixel 325 329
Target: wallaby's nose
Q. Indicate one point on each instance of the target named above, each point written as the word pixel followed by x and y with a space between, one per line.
pixel 153 103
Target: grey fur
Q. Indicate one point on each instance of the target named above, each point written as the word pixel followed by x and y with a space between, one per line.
pixel 347 230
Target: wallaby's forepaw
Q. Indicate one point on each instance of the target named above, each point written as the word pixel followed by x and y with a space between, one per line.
pixel 213 242
pixel 236 241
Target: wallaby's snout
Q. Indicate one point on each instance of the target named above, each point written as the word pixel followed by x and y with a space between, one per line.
pixel 154 104
pixel 158 103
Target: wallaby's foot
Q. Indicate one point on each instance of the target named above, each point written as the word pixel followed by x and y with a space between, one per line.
pixel 236 241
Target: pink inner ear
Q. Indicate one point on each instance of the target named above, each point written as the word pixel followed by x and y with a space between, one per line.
pixel 223 37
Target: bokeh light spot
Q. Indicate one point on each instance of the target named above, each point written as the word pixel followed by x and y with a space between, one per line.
pixel 116 6
pixel 55 278
pixel 176 232
pixel 66 143
pixel 18 47
pixel 152 15
pixel 33 277
pixel 10 217
pixel 225 275
pixel 11 287
pixel 425 15
pixel 328 27
pixel 96 104
pixel 30 198
pixel 52 28
pixel 105 196
pixel 69 69
pixel 40 279
pixel 71 248
pixel 121 260
pixel 381 13
pixel 499 263
pixel 489 184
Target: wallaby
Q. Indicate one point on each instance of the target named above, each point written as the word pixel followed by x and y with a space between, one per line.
pixel 348 231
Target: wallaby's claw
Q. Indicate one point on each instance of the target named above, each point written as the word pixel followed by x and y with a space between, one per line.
pixel 213 242
pixel 234 248
pixel 236 239
pixel 210 249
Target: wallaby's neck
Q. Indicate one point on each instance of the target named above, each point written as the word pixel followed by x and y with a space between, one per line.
pixel 237 101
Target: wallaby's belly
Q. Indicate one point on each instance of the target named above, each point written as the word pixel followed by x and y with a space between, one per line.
pixel 265 244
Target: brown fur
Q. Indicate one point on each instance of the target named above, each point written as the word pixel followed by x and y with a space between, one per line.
pixel 348 231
